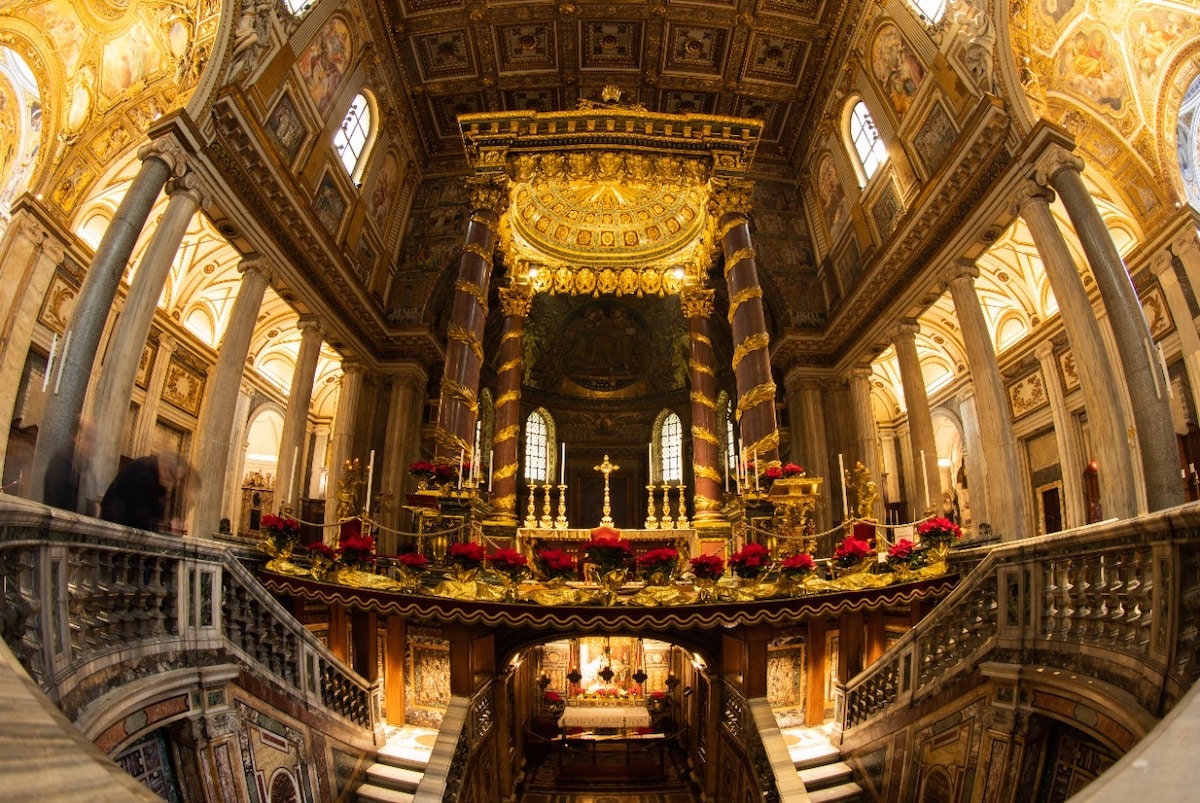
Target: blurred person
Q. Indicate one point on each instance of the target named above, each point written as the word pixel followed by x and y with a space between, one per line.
pixel 64 472
pixel 149 493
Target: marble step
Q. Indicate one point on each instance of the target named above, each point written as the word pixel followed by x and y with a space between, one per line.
pixel 826 775
pixel 842 793
pixel 814 756
pixel 399 778
pixel 370 793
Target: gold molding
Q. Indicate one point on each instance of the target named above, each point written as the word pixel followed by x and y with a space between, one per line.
pixel 759 394
pixel 466 337
pixel 748 346
pixel 699 398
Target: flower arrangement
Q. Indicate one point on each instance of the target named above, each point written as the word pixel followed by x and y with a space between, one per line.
pixel 413 561
pixel 467 555
pixel 508 562
pixel 773 473
pixel 798 566
pixel 657 564
pixel 708 567
pixel 321 550
pixel 554 563
pixel 607 550
pixel 904 553
pixel 552 697
pixel 657 695
pixel 852 551
pixel 751 561
pixel 439 471
pixel 792 470
pixel 282 530
pixel 357 551
pixel 939 530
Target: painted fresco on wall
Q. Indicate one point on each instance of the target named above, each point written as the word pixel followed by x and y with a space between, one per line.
pixel 785 251
pixel 128 60
pixel 896 68
pixel 1056 10
pixel 832 194
pixel 10 127
pixel 1152 34
pixel 935 139
pixel 1088 67
pixel 886 210
pixel 325 61
pixel 60 23
pixel 329 205
pixel 785 677
pixel 387 183
pixel 285 128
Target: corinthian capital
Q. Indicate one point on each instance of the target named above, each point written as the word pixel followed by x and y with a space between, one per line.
pixel 729 196
pixel 488 193
pixel 168 150
pixel 517 300
pixel 696 302
pixel 1030 193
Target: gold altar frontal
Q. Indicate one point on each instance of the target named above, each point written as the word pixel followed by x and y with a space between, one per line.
pixel 530 538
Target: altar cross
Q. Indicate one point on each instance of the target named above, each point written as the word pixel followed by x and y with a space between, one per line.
pixel 606 468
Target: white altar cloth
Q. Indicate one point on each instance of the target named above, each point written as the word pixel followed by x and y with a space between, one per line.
pixel 617 716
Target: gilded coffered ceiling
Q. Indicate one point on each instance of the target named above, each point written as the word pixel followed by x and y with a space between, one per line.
pixel 764 59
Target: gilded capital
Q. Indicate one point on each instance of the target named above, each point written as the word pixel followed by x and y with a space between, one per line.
pixel 488 193
pixel 517 300
pixel 728 196
pixel 167 150
pixel 696 302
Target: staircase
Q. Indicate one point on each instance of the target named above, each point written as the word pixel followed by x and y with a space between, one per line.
pixel 394 776
pixel 827 778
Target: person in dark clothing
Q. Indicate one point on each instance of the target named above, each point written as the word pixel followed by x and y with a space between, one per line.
pixel 140 495
pixel 61 485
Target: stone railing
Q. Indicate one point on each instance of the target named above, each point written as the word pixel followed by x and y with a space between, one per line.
pixel 454 766
pixel 750 726
pixel 87 606
pixel 1119 602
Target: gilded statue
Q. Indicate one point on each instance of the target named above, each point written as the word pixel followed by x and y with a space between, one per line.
pixel 864 490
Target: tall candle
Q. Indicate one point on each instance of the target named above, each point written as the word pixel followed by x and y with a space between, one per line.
pixel 295 474
pixel 50 362
pixel 754 462
pixel 370 480
pixel 460 465
pixel 491 467
pixel 726 462
pixel 842 479
pixel 562 465
pixel 62 361
pixel 925 477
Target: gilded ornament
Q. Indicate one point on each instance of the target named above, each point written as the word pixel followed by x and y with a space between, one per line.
pixel 697 302
pixel 701 434
pixel 696 397
pixel 479 251
pixel 473 290
pixel 467 338
pixel 749 345
pixel 757 395
pixel 457 390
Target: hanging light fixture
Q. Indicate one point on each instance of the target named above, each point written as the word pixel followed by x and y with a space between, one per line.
pixel 575 675
pixel 639 677
pixel 543 681
pixel 606 674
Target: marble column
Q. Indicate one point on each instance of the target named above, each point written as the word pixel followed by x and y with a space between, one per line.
pixel 1068 439
pixel 1106 414
pixel 980 494
pixel 289 477
pixel 1189 340
pixel 920 420
pixel 1186 246
pixel 515 303
pixel 810 448
pixel 402 443
pixel 110 405
pixel 859 379
pixel 1139 363
pixel 459 406
pixel 1005 502
pixel 889 462
pixel 341 442
pixel 215 428
pixel 29 253
pixel 161 160
pixel 751 358
pixel 147 419
pixel 697 306
pixel 320 441
pixel 231 501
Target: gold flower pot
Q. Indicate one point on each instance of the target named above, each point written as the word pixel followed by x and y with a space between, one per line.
pixel 610 584
pixel 706 589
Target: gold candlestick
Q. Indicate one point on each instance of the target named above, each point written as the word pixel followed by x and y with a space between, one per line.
pixel 681 521
pixel 668 523
pixel 531 516
pixel 606 468
pixel 544 523
pixel 560 523
pixel 651 519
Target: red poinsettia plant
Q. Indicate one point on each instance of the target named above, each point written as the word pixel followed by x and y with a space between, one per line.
pixel 708 567
pixel 467 555
pixel 792 470
pixel 554 563
pixel 852 551
pixel 798 566
pixel 903 553
pixel 421 469
pixel 322 549
pixel 939 530
pixel 357 551
pixel 413 561
pixel 508 562
pixel 751 561
pixel 657 561
pixel 607 550
pixel 280 529
pixel 552 697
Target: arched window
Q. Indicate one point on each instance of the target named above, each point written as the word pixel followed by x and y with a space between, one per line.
pixel 670 448
pixel 537 448
pixel 865 137
pixel 930 10
pixel 350 140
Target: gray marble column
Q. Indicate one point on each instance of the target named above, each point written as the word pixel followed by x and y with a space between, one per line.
pixel 920 419
pixel 231 504
pixel 1186 246
pixel 979 493
pixel 342 441
pixel 215 428
pixel 402 442
pixel 867 453
pixel 161 160
pixel 810 447
pixel 143 434
pixel 1189 340
pixel 29 253
pixel 289 479
pixel 1139 363
pixel 998 487
pixel 1067 437
pixel 1106 414
pixel 110 405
